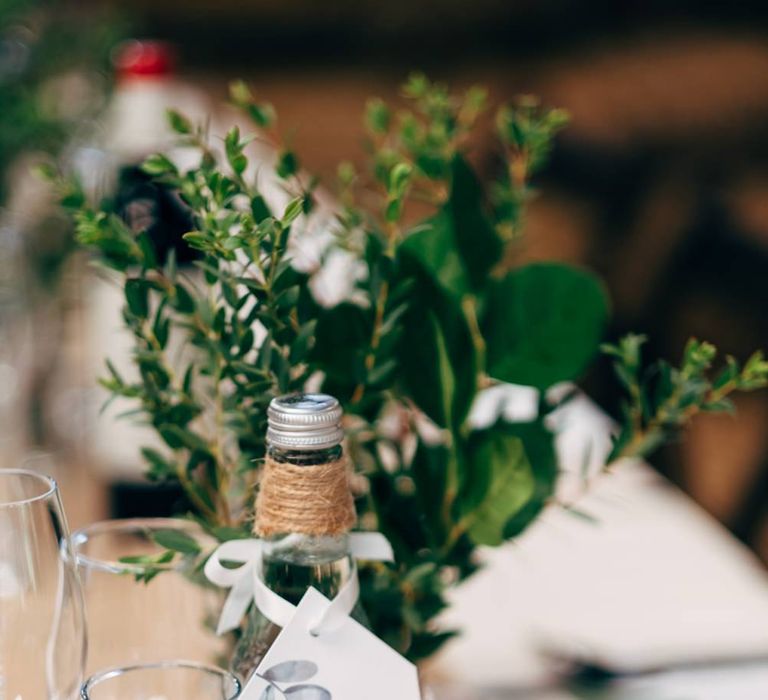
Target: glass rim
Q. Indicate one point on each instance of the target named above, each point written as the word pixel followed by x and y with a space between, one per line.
pixel 49 483
pixel 117 671
pixel 82 535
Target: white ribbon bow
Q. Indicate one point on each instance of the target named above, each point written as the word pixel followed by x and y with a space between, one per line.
pixel 246 582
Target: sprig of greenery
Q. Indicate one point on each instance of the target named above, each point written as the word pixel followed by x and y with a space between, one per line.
pixel 662 399
pixel 209 408
pixel 176 543
pixel 527 133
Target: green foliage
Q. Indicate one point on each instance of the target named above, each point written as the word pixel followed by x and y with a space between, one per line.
pixel 176 544
pixel 146 566
pixel 177 541
pixel 435 320
pixel 662 399
pixel 527 133
pixel 246 279
pixel 458 247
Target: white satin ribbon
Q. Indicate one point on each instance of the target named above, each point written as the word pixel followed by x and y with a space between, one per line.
pixel 246 582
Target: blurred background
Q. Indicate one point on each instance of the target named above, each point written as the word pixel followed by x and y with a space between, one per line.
pixel 660 183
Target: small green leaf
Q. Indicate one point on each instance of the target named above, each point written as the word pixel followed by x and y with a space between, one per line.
pixel 393 210
pixel 159 467
pixel 259 209
pixel 382 373
pixel 721 406
pixel 399 178
pixel 159 164
pixel 197 240
pixel 189 376
pixel 294 209
pixel 232 243
pixel 240 93
pixel 287 165
pixel 416 86
pixel 147 251
pixel 179 123
pixel 263 115
pixel 183 300
pixel 137 297
pixel 346 173
pixel 239 163
pixel 728 374
pixel 177 541
pixel 377 116
pixel 232 141
pixel 177 437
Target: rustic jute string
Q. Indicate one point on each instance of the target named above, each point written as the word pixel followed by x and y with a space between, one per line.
pixel 311 500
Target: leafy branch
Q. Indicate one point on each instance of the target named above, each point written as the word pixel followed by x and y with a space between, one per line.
pixel 209 407
pixel 662 399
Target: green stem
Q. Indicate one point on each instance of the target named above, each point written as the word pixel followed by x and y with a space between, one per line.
pixel 469 307
pixel 634 448
pixel 370 358
pixel 202 506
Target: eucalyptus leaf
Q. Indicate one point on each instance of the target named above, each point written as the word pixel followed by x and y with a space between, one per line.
pixel 539 444
pixel 543 324
pixel 499 485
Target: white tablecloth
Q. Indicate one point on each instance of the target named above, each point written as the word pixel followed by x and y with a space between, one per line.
pixel 654 583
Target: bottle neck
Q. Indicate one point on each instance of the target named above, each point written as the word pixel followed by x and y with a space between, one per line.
pixel 304 458
pixel 306 550
pixel 293 563
pixel 299 548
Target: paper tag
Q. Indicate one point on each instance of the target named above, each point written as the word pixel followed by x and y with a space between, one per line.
pixel 347 662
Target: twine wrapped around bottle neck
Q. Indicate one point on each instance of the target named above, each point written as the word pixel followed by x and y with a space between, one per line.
pixel 310 500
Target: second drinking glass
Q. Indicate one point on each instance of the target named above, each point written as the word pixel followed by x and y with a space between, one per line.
pixel 168 680
pixel 140 612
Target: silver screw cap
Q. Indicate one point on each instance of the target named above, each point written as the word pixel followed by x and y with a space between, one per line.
pixel 304 422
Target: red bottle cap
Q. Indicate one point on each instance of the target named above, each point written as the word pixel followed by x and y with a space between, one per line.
pixel 143 59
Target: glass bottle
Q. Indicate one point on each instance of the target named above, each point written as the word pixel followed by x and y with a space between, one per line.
pixel 304 430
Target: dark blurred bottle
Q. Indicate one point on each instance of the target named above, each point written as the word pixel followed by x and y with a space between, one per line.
pixel 135 125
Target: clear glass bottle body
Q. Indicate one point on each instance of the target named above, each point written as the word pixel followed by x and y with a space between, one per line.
pixel 291 564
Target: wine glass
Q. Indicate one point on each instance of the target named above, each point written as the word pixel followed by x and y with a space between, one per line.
pixel 165 680
pixel 42 627
pixel 140 612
